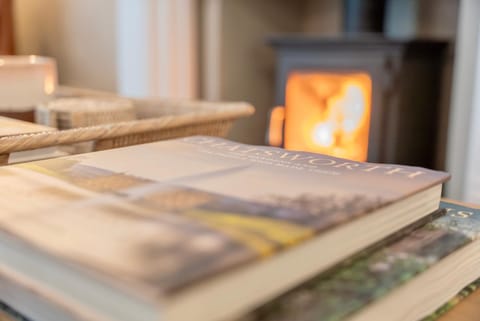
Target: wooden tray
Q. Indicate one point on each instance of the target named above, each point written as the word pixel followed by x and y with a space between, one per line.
pixel 157 119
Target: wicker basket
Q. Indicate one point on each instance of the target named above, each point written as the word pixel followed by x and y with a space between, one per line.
pixel 157 119
pixel 68 113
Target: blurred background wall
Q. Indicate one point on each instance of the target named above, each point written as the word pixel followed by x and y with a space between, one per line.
pixel 79 34
pixel 216 50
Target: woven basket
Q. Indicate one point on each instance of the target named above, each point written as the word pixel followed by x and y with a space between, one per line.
pixel 157 119
pixel 68 113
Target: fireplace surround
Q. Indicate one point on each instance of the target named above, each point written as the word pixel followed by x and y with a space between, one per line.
pixel 404 103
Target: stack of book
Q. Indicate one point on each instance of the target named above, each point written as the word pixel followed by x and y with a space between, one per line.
pixel 201 228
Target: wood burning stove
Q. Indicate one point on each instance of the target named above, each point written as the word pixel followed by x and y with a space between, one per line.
pixel 363 98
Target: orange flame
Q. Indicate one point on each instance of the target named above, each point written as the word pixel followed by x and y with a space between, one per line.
pixel 275 129
pixel 328 113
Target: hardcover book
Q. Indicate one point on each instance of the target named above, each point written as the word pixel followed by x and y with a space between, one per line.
pixel 283 304
pixel 408 279
pixel 194 228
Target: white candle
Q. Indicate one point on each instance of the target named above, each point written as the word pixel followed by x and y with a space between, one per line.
pixel 26 81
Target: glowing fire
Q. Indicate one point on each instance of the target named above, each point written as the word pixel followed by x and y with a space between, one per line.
pixel 328 113
pixel 275 129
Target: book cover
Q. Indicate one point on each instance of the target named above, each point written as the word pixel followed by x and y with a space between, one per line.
pixel 164 216
pixel 7 313
pixel 205 203
pixel 348 289
pixel 338 294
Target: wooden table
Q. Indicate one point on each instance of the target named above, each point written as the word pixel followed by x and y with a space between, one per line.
pixel 467 310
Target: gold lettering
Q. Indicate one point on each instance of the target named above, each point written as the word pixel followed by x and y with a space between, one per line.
pixel 321 161
pixel 372 168
pixel 402 171
pixel 462 214
pixel 310 159
pixel 448 209
pixel 294 156
pixel 268 152
pixel 347 165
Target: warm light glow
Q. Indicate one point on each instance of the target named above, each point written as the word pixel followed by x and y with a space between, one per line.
pixel 275 128
pixel 328 113
pixel 50 83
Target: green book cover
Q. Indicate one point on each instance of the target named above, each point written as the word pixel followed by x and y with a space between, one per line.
pixel 347 290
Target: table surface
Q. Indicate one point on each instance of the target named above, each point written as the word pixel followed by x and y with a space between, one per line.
pixel 467 310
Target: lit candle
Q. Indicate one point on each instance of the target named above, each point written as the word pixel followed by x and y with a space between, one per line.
pixel 26 81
